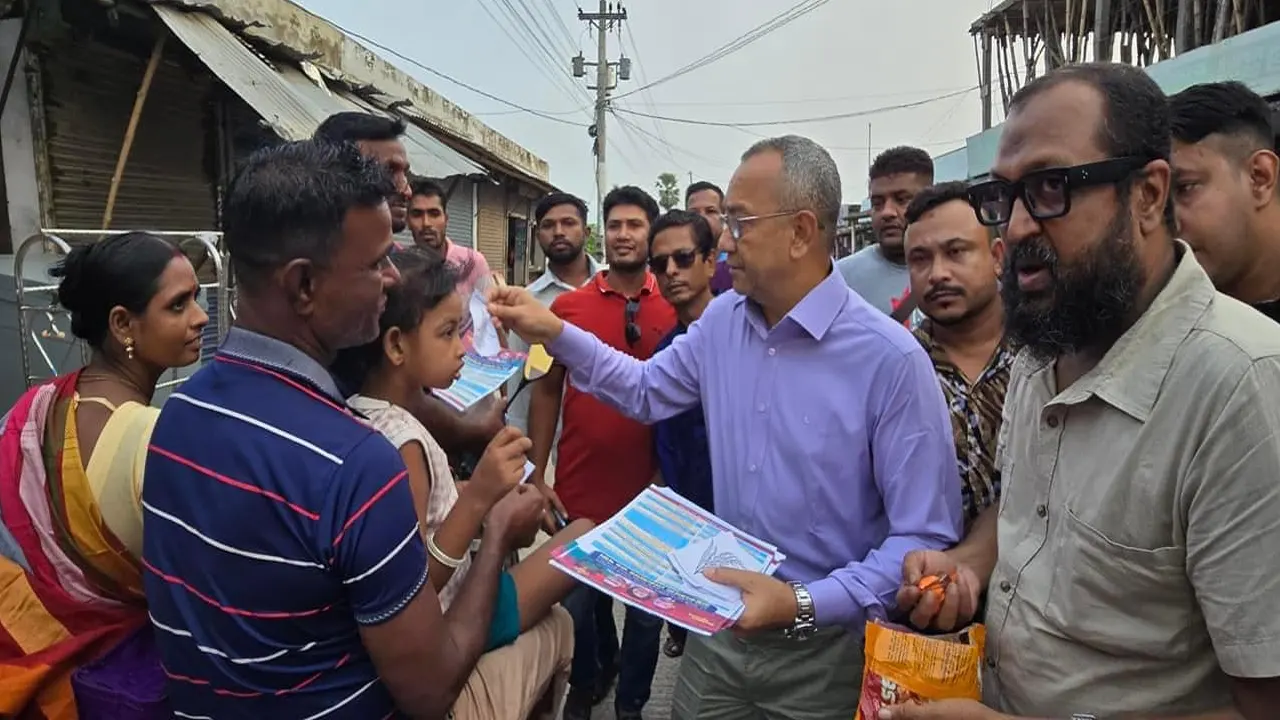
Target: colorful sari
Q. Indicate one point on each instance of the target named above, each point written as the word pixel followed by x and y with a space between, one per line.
pixel 69 590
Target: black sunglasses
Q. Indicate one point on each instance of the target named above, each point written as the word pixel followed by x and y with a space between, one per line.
pixel 684 260
pixel 1046 193
pixel 631 328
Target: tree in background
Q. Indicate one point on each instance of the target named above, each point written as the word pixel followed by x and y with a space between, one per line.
pixel 592 244
pixel 668 190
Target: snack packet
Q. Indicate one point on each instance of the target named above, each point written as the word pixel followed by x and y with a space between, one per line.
pixel 903 666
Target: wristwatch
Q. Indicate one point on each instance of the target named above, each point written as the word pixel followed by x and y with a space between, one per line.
pixel 804 626
pixel 1084 716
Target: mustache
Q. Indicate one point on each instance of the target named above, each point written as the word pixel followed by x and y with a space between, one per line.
pixel 1034 252
pixel 943 290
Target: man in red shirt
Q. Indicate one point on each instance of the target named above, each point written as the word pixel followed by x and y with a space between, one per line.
pixel 604 459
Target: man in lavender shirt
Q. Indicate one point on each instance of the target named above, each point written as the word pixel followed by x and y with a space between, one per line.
pixel 829 437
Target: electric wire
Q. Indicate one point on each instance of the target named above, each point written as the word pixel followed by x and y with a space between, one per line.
pixel 780 20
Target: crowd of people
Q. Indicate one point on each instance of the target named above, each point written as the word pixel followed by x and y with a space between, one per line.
pixel 1056 385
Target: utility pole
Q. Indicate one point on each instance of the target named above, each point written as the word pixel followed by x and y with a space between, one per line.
pixel 609 17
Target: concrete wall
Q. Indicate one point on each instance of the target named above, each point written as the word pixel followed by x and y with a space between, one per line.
pixel 952 165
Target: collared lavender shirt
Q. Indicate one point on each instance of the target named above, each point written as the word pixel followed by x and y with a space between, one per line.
pixel 829 435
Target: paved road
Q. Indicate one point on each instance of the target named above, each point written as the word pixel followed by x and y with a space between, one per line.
pixel 664 680
pixel 664 683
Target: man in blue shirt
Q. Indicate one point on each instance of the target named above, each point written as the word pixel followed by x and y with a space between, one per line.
pixel 682 256
pixel 285 569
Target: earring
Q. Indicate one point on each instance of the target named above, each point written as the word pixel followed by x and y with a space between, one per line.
pixel 128 347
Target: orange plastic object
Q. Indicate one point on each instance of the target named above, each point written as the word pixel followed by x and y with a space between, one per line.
pixel 903 666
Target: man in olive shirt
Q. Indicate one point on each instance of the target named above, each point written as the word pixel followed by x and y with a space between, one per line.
pixel 1131 570
pixel 1225 189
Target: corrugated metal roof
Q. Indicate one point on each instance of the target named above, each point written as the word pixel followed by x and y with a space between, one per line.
pixel 283 28
pixel 292 103
pixel 427 155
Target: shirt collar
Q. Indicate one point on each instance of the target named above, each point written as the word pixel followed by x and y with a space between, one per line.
pixel 599 280
pixel 817 310
pixel 1002 357
pixel 549 278
pixel 1129 377
pixel 279 355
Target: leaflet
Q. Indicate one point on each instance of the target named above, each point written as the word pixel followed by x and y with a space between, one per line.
pixel 652 556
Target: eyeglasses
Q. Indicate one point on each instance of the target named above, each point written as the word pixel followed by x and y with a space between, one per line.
pixel 684 260
pixel 631 328
pixel 1046 193
pixel 733 223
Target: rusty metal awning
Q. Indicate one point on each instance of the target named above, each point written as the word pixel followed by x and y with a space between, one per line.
pixel 291 102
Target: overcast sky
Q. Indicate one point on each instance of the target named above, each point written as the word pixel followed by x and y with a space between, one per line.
pixel 847 56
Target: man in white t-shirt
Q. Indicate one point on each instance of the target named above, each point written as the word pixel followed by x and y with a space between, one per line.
pixel 560 222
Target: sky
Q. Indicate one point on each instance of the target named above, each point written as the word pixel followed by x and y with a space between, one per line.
pixel 846 56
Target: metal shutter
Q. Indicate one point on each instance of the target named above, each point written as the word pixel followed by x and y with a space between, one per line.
pixel 88 97
pixel 461 226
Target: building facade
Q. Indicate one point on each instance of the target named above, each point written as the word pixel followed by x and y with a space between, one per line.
pixel 133 114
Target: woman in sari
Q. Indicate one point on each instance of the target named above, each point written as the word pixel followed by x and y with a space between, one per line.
pixel 71 456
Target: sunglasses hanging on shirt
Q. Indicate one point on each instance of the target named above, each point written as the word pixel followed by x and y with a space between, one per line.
pixel 631 327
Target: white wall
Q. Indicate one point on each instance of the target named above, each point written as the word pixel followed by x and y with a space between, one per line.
pixel 17 142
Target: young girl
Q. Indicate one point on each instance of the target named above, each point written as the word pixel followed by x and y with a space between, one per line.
pixel 419 347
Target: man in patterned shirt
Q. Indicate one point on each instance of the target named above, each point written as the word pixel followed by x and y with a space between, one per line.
pixel 954 264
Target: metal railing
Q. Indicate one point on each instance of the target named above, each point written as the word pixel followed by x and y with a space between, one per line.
pixel 56 241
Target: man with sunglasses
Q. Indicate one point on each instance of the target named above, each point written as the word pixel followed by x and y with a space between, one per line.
pixel 1131 570
pixel 828 435
pixel 605 459
pixel 682 257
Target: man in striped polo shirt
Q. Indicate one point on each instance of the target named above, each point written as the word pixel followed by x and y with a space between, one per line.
pixel 286 576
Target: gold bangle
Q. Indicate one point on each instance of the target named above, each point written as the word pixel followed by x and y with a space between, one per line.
pixel 441 557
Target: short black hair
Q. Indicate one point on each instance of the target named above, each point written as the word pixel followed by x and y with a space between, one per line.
pixel 902 160
pixel 121 270
pixel 426 279
pixel 700 186
pixel 556 199
pixel 429 188
pixel 703 238
pixel 289 201
pixel 631 195
pixel 1135 112
pixel 934 196
pixel 356 126
pixel 1222 108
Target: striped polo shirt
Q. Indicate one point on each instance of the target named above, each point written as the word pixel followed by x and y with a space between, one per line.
pixel 277 523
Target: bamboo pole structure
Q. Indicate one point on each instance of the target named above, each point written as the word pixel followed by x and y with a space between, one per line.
pixel 139 102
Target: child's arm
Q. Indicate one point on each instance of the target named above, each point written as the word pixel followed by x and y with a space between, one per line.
pixel 453 538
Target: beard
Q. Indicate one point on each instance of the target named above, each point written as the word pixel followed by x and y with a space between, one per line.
pixel 563 255
pixel 1090 301
pixel 628 266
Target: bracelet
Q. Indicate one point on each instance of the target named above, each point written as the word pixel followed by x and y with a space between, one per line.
pixel 441 557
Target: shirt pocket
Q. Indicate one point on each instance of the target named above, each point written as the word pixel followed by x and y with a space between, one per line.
pixel 837 457
pixel 1118 599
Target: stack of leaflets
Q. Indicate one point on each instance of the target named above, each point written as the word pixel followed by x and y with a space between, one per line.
pixel 652 556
